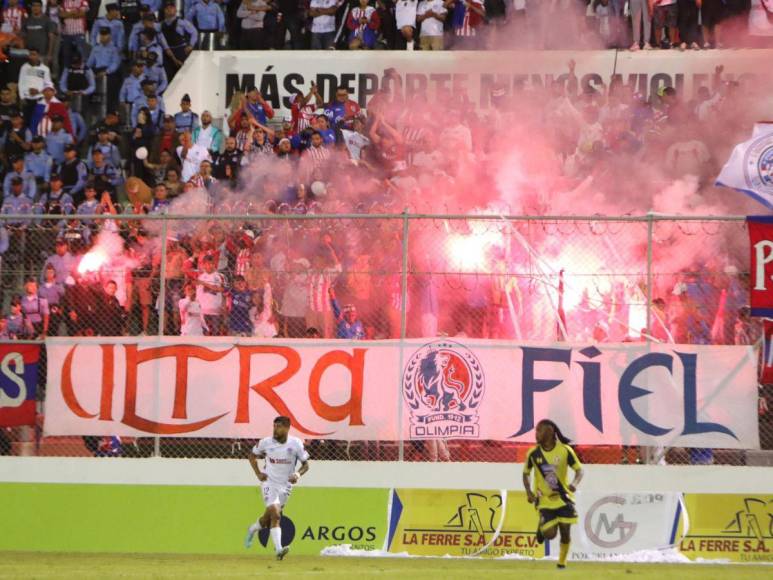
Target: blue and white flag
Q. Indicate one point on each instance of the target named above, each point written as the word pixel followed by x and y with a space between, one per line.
pixel 750 167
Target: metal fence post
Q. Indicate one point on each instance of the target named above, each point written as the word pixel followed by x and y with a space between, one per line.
pixel 403 333
pixel 162 279
pixel 649 452
pixel 161 314
pixel 650 227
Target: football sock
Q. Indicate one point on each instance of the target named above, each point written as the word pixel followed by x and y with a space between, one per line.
pixel 276 537
pixel 563 554
pixel 256 527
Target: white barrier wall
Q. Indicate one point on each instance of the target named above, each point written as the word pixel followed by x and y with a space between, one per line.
pixel 599 478
pixel 210 78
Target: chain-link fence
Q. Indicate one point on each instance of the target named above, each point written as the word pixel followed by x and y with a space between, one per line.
pixel 674 280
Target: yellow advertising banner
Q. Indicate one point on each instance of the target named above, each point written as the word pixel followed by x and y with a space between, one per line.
pixel 733 527
pixel 462 523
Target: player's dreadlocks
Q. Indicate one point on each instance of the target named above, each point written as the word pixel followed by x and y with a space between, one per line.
pixel 559 435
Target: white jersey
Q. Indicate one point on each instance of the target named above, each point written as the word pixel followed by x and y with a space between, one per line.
pixel 355 143
pixel 192 161
pixel 211 301
pixel 405 13
pixel 191 317
pixel 281 458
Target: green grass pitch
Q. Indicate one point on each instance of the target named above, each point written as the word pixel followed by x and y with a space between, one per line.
pixel 32 565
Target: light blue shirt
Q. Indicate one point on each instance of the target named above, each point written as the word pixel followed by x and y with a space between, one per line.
pixel 110 151
pixel 78 126
pixel 134 36
pixel 143 102
pixel 63 265
pixel 88 207
pixel 104 56
pixel 207 16
pixel 131 90
pixel 153 47
pixel 185 28
pixel 108 172
pixel 39 164
pixel 117 34
pixel 157 74
pixel 55 143
pixel 29 188
pixel 89 77
pixel 186 121
pixel 83 174
pixel 17 205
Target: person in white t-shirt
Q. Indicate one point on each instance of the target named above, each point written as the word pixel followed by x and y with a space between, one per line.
pixel 355 140
pixel 282 454
pixel 323 23
pixel 190 156
pixel 210 286
pixel 405 16
pixel 191 319
pixel 430 15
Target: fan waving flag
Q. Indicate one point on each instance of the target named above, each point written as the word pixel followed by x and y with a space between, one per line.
pixel 750 167
pixel 18 383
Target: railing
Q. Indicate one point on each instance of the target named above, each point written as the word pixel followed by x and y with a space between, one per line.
pixel 541 278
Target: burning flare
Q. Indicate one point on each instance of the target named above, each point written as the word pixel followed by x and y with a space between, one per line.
pixel 93 260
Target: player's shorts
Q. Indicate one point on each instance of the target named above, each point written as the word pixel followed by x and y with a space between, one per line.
pixel 566 514
pixel 275 494
pixel 405 14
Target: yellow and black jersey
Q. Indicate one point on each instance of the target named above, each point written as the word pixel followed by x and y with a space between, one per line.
pixel 551 468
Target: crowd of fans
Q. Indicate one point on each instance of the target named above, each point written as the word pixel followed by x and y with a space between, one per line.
pixel 276 278
pixel 103 174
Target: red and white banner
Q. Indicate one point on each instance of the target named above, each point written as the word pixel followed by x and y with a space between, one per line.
pixel 761 269
pixel 633 394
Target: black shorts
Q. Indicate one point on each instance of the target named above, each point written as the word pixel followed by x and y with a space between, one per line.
pixel 550 518
pixel 712 12
pixel 665 16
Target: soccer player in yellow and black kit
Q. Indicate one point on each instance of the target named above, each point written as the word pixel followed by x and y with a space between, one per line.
pixel 553 495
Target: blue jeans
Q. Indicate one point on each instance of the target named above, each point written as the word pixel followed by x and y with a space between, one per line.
pixel 322 40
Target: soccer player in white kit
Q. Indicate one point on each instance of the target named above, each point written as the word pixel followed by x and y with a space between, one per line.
pixel 282 454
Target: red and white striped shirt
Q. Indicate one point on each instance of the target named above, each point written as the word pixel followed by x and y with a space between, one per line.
pixel 317 155
pixel 319 284
pixel 242 262
pixel 74 26
pixel 13 18
pixel 242 138
pixel 302 116
pixel 412 136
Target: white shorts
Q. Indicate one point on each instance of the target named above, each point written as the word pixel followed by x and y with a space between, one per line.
pixel 405 14
pixel 274 494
